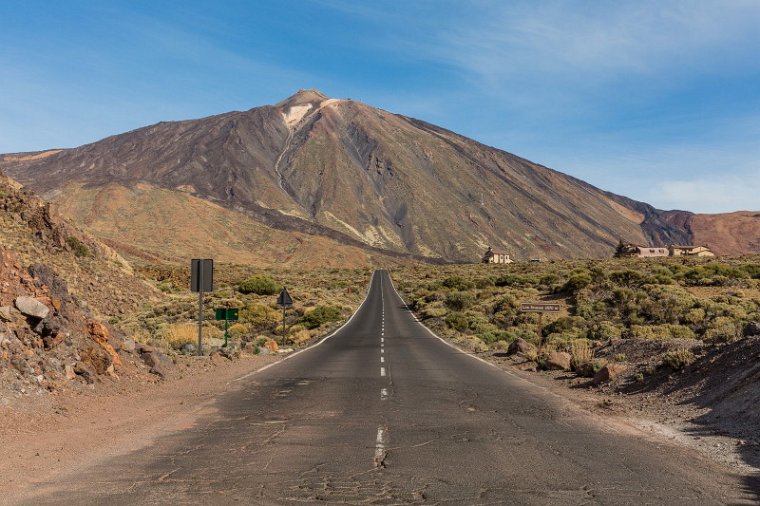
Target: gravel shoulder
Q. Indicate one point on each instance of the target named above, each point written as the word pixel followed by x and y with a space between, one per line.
pixel 657 415
pixel 51 437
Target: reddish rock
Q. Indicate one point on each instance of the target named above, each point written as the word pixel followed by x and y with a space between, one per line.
pixel 609 373
pixel 558 361
pixel 271 345
pixel 521 347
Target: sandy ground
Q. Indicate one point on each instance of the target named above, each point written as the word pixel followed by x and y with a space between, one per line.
pixel 77 429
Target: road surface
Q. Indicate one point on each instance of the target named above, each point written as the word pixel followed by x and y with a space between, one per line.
pixel 384 412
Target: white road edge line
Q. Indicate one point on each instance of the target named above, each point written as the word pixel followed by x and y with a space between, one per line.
pixel 442 339
pixel 366 296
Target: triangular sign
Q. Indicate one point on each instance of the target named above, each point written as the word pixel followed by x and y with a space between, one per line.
pixel 284 299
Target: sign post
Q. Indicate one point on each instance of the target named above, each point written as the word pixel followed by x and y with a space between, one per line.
pixel 228 315
pixel 540 308
pixel 201 280
pixel 284 301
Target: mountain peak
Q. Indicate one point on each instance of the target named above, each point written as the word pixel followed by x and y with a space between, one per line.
pixel 303 97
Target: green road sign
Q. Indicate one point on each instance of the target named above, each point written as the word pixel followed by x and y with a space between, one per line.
pixel 227 313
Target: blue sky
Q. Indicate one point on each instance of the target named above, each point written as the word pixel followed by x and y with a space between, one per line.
pixel 656 100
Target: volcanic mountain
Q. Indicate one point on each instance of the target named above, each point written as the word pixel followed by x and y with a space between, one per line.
pixel 348 180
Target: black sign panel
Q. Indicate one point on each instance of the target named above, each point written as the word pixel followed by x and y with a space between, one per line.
pixel 202 275
pixel 284 299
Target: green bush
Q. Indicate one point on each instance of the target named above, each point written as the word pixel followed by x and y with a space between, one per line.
pixel 457 321
pixel 666 331
pixel 260 285
pixel 513 280
pixel 457 283
pixel 79 248
pixel 725 329
pixel 320 315
pixel 678 359
pixel 604 330
pixel 576 283
pixel 457 301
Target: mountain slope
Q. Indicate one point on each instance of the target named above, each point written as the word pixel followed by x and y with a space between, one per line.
pixel 359 176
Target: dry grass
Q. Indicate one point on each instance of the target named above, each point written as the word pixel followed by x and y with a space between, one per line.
pixel 179 334
pixel 176 335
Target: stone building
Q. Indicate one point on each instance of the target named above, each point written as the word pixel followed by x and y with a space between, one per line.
pixel 496 257
pixel 634 250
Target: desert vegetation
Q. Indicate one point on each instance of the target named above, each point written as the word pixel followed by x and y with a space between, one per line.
pixel 691 301
pixel 323 298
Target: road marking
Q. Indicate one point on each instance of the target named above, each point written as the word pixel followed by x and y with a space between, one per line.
pixel 358 310
pixel 380 447
pixel 382 350
pixel 446 342
pixel 382 339
pixel 383 394
pixel 382 371
pixel 382 360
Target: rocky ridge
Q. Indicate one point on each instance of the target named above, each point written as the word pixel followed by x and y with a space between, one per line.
pixel 57 284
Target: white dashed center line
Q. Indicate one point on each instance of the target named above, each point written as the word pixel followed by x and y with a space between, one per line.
pixel 382 360
pixel 382 371
pixel 380 447
pixel 383 394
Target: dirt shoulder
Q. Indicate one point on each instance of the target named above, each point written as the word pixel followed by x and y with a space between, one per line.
pixel 661 414
pixel 52 437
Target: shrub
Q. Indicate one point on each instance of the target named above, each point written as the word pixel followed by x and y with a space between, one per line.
pixel 581 357
pixel 513 280
pixel 260 317
pixel 576 283
pixel 628 278
pixel 320 316
pixel 457 301
pixel 604 330
pixel 457 321
pixel 724 328
pixel 666 331
pixel 79 248
pixel 260 285
pixel 678 359
pixel 457 283
pixel 572 325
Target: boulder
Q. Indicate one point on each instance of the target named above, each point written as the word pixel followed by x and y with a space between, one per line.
pixel 85 370
pixel 30 306
pixel 188 348
pixel 128 345
pixel 5 314
pixel 609 372
pixel 558 361
pixel 752 329
pixel 521 347
pixel 271 345
pixel 156 361
pixel 143 348
pixel 69 372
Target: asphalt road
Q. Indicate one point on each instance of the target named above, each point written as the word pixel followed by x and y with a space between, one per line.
pixel 384 412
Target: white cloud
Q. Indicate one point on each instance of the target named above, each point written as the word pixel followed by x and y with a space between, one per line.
pixel 581 43
pixel 713 195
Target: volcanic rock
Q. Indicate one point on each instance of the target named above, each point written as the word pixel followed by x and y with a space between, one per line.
pixel 30 306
